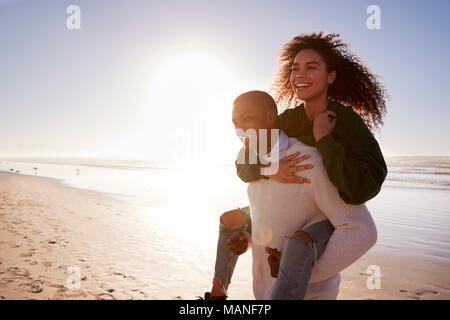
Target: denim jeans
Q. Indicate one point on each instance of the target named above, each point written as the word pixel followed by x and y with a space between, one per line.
pixel 225 258
pixel 296 262
pixel 297 259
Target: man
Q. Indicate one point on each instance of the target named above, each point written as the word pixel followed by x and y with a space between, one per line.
pixel 279 210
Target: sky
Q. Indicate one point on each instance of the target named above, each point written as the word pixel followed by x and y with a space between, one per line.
pixel 156 79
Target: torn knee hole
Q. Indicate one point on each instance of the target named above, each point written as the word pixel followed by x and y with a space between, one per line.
pixel 232 219
pixel 304 236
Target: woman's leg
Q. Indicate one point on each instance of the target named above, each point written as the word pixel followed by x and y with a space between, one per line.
pixel 230 222
pixel 298 255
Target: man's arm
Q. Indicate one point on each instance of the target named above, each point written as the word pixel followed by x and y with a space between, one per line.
pixel 355 232
pixel 247 172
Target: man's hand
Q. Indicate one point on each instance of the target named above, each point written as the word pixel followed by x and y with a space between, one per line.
pixel 274 261
pixel 324 124
pixel 238 243
pixel 287 167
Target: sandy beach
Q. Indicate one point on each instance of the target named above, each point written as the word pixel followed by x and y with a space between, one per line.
pixel 48 227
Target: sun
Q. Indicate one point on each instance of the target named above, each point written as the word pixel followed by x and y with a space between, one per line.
pixel 190 100
pixel 190 79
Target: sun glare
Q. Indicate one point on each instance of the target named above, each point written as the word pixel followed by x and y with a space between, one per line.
pixel 191 95
pixel 189 79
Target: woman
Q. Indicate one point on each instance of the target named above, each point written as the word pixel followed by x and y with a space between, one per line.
pixel 342 102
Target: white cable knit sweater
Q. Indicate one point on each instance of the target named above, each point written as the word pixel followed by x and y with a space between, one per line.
pixel 279 210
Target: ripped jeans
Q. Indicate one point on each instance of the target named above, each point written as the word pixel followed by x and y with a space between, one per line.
pixel 296 262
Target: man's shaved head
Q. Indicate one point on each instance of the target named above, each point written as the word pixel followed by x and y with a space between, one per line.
pixel 258 99
pixel 254 110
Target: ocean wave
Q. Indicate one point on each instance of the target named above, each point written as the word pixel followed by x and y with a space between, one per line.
pixel 409 180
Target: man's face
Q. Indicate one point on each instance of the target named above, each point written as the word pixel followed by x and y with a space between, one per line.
pixel 248 116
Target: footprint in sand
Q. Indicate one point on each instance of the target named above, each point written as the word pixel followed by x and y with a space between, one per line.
pixel 119 274
pixel 425 292
pixel 33 287
pixel 22 272
pixel 365 274
pixel 420 294
pixel 27 254
pixel 47 264
pixel 124 276
pixel 64 293
pixel 104 296
pixel 5 281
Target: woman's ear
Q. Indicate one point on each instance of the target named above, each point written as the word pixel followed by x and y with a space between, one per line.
pixel 331 77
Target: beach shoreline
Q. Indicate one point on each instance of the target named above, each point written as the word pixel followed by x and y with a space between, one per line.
pixel 48 228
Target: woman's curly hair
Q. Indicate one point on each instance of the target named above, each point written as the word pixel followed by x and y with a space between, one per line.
pixel 355 86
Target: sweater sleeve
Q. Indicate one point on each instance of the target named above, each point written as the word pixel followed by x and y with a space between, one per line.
pixel 358 170
pixel 355 232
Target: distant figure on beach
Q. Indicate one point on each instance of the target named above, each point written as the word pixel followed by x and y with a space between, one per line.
pixel 78 171
pixel 342 101
pixel 35 170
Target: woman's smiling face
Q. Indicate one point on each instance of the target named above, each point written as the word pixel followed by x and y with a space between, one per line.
pixel 309 76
